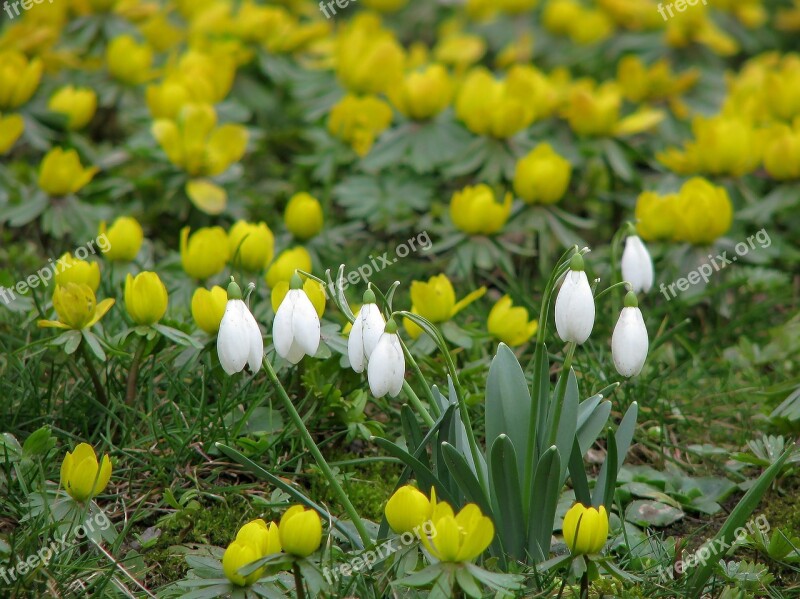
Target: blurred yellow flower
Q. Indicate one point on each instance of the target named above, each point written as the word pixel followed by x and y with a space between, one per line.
pixel 205 253
pixel 385 5
pixel 585 529
pixel 314 290
pixel 303 216
pixel 423 94
pixel 208 77
pixel 593 110
pixel 129 61
pixel 559 15
pixel 510 324
pixel 78 104
pixel 591 27
pixel 287 263
pixel 368 57
pixel 656 216
pixel 459 538
pixel 782 153
pixel 490 107
pixel 751 13
pixel 19 78
pixel 782 88
pixel 436 301
pixel 81 476
pixel 475 210
pixel 704 210
pixel 300 531
pixel 516 6
pixel 146 298
pixel 459 50
pixel 208 308
pixel 76 307
pixel 640 83
pixel 165 99
pixel 542 176
pixel 160 32
pixel 11 128
pixel 358 121
pixel 545 93
pixel 518 51
pixel 251 245
pixel 408 508
pixel 61 173
pixel 697 26
pixel 125 237
pixel 80 272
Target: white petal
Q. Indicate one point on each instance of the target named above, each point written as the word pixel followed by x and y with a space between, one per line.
pixel 373 326
pixel 575 308
pixel 355 344
pixel 295 353
pixel 305 323
pixel 379 367
pixel 630 342
pixel 398 368
pixel 233 339
pixel 256 356
pixel 282 334
pixel 637 265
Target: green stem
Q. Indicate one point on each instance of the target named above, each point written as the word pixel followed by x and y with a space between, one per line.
pixel 561 390
pixel 98 385
pixel 614 286
pixel 318 457
pixel 298 582
pixel 133 373
pixel 412 397
pixel 415 367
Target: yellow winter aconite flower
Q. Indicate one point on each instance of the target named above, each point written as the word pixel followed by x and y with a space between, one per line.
pixel 543 92
pixel 593 110
pixel 76 307
pixel 314 290
pixel 208 308
pixel 265 537
pixel 491 107
pixel 129 61
pixel 519 50
pixel 146 298
pixel 585 529
pixel 591 27
pixel 237 555
pixel 11 128
pixel 358 121
pixel 436 301
pixel 476 211
pixel 287 263
pixel 705 212
pixel 656 216
pixel 303 216
pixel 782 152
pixel 459 50
pixel 542 177
pixel 423 94
pixel 510 324
pixel 125 237
pixel 81 476
pixel 251 245
pixel 407 509
pixel 517 6
pixel 160 33
pixel 634 15
pixel 19 78
pixel 657 82
pixel 368 57
pixel 78 104
pixel 696 26
pixel 165 99
pixel 459 538
pixel 196 144
pixel 751 13
pixel 559 15
pixel 782 88
pixel 205 253
pixel 300 531
pixel 80 272
pixel 208 77
pixel 385 5
pixel 61 173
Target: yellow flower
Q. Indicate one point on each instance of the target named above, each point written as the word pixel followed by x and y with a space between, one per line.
pixel 460 538
pixel 358 121
pixel 11 127
pixel 81 476
pixel 542 92
pixel 61 173
pixel 491 107
pixel 704 212
pixel 517 6
pixel 591 26
pixel 385 5
pixel 459 50
pixel 423 94
pixel 656 216
pixel 287 263
pixel 196 144
pixel 314 290
pixel 510 324
pixel 697 26
pixel 593 110
pixel 781 88
pixel 125 239
pixel 782 154
pixel 559 15
pixel 78 104
pixel 251 245
pixel 368 57
pixel 160 33
pixel 208 308
pixel 640 83
pixel 76 307
pixel 436 301
pixel 208 77
pixel 300 531
pixel 407 509
pixel 19 78
pixel 237 555
pixel 303 216
pixel 166 99
pixel 519 50
pixel 129 61
pixel 205 253
pixel 542 176
pixel 585 529
pixel 264 537
pixel 146 298
pixel 80 272
pixel 475 210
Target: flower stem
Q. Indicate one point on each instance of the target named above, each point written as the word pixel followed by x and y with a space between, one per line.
pixel 415 367
pixel 317 454
pixel 561 390
pixel 298 582
pixel 133 373
pixel 412 397
pixel 98 385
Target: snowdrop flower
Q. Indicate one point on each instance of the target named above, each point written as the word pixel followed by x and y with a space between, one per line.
pixel 637 265
pixel 386 369
pixel 239 340
pixel 295 330
pixel 575 304
pixel 366 332
pixel 630 342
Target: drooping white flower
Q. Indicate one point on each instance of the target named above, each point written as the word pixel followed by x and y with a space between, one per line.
pixel 637 265
pixel 386 369
pixel 239 340
pixel 367 330
pixel 296 329
pixel 575 304
pixel 630 342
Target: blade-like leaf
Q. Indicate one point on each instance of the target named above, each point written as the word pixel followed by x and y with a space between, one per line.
pixel 465 478
pixel 544 500
pixel 507 496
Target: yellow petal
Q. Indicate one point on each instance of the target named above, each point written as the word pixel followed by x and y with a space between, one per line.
pixel 207 196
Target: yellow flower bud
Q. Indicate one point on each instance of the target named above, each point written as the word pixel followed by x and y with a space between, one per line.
pixel 459 538
pixel 146 298
pixel 475 211
pixel 407 509
pixel 81 476
pixel 782 153
pixel 11 128
pixel 80 272
pixel 251 245
pixel 61 173
pixel 510 324
pixel 559 15
pixel 656 216
pixel 205 253
pixel 264 537
pixel 491 107
pixel 129 61
pixel 78 104
pixel 542 176
pixel 585 529
pixel 300 531
pixel 314 291
pixel 237 556
pixel 303 216
pixel 704 210
pixel 76 307
pixel 125 237
pixel 19 78
pixel 593 110
pixel 287 263
pixel 166 99
pixel 358 121
pixel 782 89
pixel 368 57
pixel 423 94
pixel 435 300
pixel 208 308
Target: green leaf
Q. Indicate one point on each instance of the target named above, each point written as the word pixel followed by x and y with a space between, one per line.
pixel 568 422
pixel 605 485
pixel 504 481
pixel 412 433
pixel 644 512
pixel 544 500
pixel 467 583
pixel 465 478
pixel 623 440
pixel 577 472
pixel 592 425
pixel 94 345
